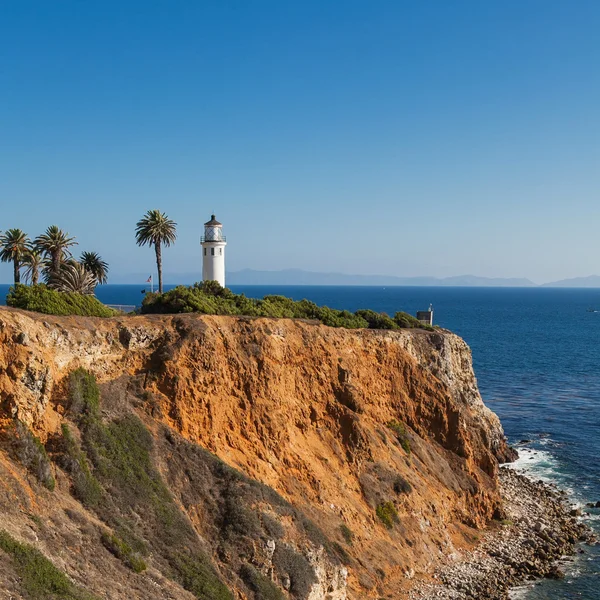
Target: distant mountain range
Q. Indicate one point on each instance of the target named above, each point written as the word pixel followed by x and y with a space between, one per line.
pixel 592 281
pixel 300 277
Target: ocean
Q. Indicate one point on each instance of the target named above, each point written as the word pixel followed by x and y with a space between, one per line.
pixel 536 353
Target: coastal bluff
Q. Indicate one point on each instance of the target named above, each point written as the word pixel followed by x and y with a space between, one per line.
pixel 379 439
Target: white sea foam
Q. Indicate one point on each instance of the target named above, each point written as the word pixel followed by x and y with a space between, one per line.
pixel 520 592
pixel 541 464
pixel 537 464
pixel 591 517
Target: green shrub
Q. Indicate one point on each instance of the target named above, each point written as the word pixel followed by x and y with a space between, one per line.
pixel 198 576
pixel 347 534
pixel 123 551
pixel 401 434
pixel 199 298
pixel 120 453
pixel 86 488
pixel 401 486
pixel 387 514
pixel 37 520
pixel 406 321
pixel 84 397
pixel 377 320
pixel 39 298
pixel 341 318
pixel 31 453
pixel 38 577
pixel 263 587
pixel 210 298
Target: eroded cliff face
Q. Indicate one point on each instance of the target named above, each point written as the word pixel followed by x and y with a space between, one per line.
pixel 341 423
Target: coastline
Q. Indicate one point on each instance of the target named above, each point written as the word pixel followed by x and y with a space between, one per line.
pixel 540 527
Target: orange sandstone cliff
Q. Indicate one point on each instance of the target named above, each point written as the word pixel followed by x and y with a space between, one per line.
pixel 370 453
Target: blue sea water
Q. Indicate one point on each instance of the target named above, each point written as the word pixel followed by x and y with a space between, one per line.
pixel 536 353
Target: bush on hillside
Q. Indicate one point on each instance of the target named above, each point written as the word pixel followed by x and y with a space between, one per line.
pixel 113 474
pixel 263 587
pixel 387 513
pixel 301 574
pixel 347 533
pixel 30 452
pixel 406 321
pixel 401 434
pixel 38 578
pixel 42 299
pixel 377 320
pixel 123 551
pixel 210 298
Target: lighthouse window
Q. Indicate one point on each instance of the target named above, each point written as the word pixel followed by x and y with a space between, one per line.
pixel 212 251
pixel 221 251
pixel 204 251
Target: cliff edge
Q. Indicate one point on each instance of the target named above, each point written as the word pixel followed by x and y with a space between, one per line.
pixel 377 443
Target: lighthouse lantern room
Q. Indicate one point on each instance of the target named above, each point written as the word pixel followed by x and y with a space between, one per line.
pixel 213 252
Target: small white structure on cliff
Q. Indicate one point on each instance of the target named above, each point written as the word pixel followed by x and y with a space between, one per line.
pixel 426 316
pixel 213 252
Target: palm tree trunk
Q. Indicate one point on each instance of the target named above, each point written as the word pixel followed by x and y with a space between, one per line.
pixel 34 276
pixel 56 261
pixel 159 266
pixel 17 271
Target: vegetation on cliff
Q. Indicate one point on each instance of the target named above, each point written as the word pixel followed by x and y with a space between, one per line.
pixel 29 451
pixel 39 578
pixel 387 514
pixel 112 470
pixel 210 298
pixel 401 434
pixel 118 472
pixel 40 298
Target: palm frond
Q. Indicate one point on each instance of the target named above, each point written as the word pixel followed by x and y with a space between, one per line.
pixel 14 244
pixel 55 244
pixel 155 228
pixel 72 276
pixel 93 263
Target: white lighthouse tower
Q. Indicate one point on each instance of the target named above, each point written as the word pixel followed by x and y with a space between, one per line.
pixel 213 252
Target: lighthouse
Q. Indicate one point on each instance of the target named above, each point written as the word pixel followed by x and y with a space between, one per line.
pixel 213 251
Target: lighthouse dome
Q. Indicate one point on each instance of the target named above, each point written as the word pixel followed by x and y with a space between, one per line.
pixel 213 222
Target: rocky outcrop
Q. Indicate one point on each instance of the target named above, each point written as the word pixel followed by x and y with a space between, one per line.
pixel 380 436
pixel 539 529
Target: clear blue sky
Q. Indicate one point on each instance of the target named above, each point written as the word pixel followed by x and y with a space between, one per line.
pixel 405 138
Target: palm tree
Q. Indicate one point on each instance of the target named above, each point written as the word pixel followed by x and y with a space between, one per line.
pixel 33 261
pixel 13 247
pixel 93 263
pixel 156 229
pixel 55 244
pixel 72 276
